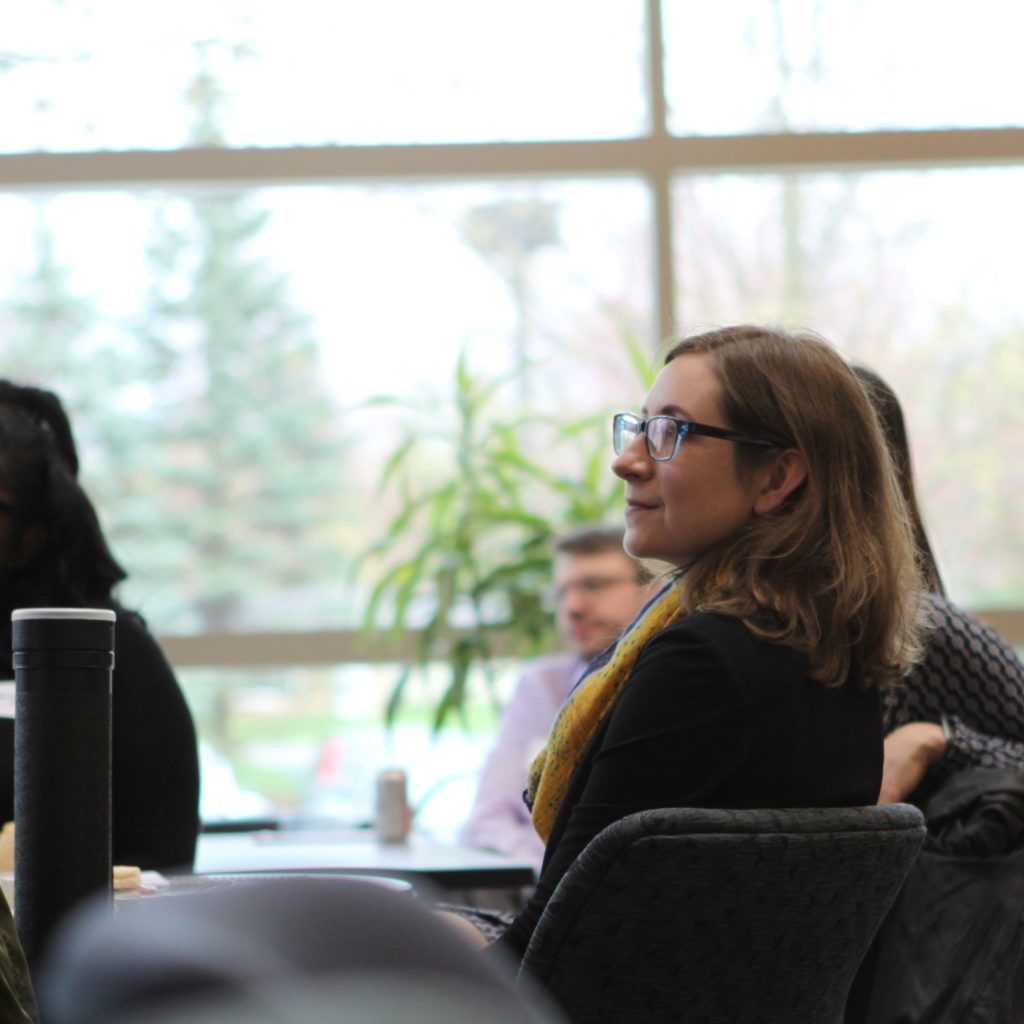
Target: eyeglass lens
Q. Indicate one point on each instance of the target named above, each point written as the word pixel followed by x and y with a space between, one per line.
pixel 661 436
pixel 624 429
pixel 660 431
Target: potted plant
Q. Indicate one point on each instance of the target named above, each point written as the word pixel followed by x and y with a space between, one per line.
pixel 482 488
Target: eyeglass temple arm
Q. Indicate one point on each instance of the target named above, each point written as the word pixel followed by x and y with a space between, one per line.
pixel 728 435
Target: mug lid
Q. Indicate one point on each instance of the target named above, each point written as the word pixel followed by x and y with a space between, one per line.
pixel 85 614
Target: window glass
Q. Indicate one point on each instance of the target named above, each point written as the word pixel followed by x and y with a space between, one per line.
pixel 217 352
pixel 308 743
pixel 107 74
pixel 815 65
pixel 914 274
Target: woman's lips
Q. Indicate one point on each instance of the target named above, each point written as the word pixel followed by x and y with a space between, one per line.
pixel 636 507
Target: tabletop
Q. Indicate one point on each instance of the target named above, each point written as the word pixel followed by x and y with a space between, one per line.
pixel 358 851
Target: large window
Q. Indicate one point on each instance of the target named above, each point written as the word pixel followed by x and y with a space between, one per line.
pixel 229 231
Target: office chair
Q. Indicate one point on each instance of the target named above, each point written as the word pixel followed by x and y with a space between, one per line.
pixel 722 915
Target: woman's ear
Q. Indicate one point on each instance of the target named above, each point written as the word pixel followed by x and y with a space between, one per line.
pixel 787 473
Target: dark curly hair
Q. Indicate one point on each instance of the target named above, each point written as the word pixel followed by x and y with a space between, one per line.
pixel 61 557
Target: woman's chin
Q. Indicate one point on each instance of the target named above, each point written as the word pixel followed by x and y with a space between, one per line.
pixel 636 545
pixel 658 560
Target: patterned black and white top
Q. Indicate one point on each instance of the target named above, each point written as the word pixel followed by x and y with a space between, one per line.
pixel 972 682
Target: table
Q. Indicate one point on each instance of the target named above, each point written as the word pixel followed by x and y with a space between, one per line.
pixel 157 886
pixel 357 851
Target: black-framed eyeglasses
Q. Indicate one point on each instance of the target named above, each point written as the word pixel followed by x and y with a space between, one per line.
pixel 664 434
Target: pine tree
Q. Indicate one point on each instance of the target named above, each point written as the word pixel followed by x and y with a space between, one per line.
pixel 243 445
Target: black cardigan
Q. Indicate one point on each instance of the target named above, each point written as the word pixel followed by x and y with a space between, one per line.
pixel 713 717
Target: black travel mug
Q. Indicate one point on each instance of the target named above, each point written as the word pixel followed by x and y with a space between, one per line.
pixel 63 662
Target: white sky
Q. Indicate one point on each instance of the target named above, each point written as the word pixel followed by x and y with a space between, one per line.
pixel 307 72
pixel 108 73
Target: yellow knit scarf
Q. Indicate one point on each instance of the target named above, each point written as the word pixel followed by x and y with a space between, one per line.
pixel 586 707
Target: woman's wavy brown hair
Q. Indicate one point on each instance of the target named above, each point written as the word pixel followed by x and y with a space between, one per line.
pixel 833 571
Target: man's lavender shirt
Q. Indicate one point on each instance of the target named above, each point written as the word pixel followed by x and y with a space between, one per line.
pixel 499 819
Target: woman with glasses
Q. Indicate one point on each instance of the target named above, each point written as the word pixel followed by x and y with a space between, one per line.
pixel 53 554
pixel 758 469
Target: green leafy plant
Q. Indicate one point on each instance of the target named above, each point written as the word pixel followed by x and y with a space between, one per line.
pixel 482 488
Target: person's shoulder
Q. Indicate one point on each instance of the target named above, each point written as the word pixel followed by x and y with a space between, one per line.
pixel 556 661
pixel 712 627
pixel 133 638
pixel 555 672
pixel 725 640
pixel 688 663
pixel 951 628
pixel 705 635
pixel 558 664
pixel 940 612
pixel 130 616
pixel 130 623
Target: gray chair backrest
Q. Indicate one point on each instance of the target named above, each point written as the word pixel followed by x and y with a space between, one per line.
pixel 723 915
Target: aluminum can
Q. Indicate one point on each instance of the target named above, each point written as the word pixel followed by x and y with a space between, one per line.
pixel 393 820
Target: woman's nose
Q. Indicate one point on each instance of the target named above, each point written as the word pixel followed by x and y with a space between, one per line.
pixel 634 460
